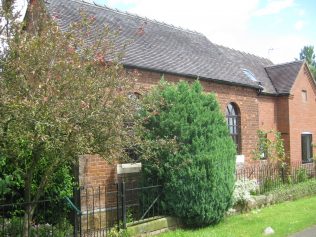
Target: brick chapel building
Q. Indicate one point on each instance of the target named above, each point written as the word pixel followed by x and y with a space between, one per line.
pixel 254 93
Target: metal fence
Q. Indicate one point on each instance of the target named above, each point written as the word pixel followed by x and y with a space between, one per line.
pixel 97 211
pixel 92 211
pixel 46 219
pixel 272 176
pixel 113 207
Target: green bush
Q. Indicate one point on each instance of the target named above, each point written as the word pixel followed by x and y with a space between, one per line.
pixel 301 175
pixel 197 171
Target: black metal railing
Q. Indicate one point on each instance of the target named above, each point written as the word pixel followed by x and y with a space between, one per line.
pixel 30 219
pixel 97 211
pixel 273 176
pixel 112 207
pixel 92 211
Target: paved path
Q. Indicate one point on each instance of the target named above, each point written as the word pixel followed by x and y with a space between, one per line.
pixel 309 232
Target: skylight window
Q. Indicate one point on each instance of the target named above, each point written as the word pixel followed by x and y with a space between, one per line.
pixel 250 75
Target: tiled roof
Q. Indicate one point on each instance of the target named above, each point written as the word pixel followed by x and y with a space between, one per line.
pixel 160 47
pixel 253 64
pixel 283 75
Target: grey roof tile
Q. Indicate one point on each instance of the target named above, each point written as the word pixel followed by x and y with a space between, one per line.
pixel 161 47
pixel 166 48
pixel 252 63
pixel 283 75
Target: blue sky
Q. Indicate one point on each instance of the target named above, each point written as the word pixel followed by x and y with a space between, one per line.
pixel 276 29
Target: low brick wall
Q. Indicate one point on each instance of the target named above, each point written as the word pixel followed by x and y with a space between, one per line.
pixel 97 181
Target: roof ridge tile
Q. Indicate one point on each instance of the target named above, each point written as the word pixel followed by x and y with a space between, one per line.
pixel 286 63
pixel 243 52
pixel 97 4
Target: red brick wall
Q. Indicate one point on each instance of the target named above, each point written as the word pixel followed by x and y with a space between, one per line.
pixel 257 112
pixel 302 114
pixel 95 171
pixel 267 113
pixel 283 125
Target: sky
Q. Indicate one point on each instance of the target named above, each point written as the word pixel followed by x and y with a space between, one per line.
pixel 274 29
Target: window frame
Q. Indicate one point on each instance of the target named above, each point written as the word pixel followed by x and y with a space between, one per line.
pixel 305 146
pixel 304 96
pixel 233 124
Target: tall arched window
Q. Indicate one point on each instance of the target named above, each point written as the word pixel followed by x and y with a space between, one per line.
pixel 233 122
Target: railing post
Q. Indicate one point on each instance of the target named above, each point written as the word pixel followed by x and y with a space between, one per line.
pixel 118 205
pixel 77 215
pixel 123 204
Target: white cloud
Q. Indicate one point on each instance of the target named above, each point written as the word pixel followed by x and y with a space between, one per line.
pixel 285 48
pixel 200 15
pixel 224 22
pixel 299 25
pixel 274 7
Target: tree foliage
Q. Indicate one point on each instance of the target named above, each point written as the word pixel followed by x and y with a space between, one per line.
pixel 307 53
pixel 59 99
pixel 194 155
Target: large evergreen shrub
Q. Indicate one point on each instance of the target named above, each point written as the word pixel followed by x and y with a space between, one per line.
pixel 197 171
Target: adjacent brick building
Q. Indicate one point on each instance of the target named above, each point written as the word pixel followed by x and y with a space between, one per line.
pixel 254 93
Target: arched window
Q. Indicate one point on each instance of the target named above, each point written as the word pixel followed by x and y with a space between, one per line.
pixel 233 122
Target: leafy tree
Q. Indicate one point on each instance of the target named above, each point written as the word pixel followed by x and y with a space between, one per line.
pixel 59 99
pixel 8 18
pixel 194 155
pixel 307 53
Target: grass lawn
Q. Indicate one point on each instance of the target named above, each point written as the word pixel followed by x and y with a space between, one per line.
pixel 285 218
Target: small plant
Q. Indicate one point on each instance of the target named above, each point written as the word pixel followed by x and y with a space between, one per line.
pixel 292 192
pixel 118 232
pixel 242 192
pixel 11 226
pixel 301 175
pixel 14 227
pixel 129 215
pixel 270 183
pixel 270 148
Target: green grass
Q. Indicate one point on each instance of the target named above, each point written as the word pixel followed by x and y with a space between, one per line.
pixel 285 218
